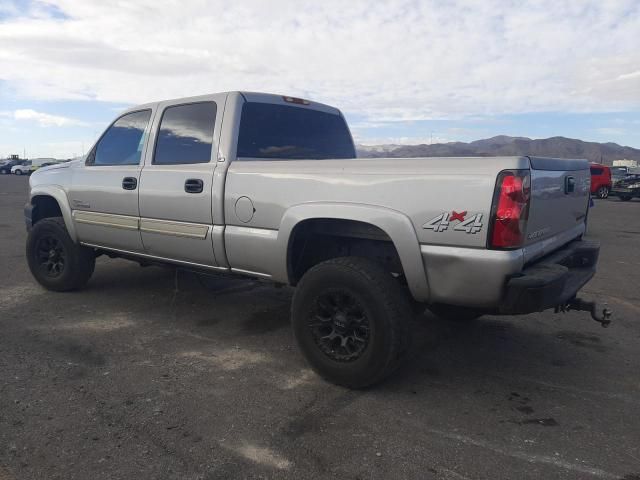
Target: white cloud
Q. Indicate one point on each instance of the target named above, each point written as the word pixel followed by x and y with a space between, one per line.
pixel 397 60
pixel 626 76
pixel 43 119
pixel 400 140
pixel 611 131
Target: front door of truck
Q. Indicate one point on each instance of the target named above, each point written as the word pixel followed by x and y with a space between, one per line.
pixel 176 218
pixel 104 191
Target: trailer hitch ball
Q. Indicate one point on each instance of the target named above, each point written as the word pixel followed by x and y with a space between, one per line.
pixel 602 314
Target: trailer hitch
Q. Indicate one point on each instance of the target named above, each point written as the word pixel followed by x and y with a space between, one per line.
pixel 601 315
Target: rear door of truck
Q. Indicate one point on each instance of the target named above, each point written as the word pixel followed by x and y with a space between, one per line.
pixel 559 204
pixel 176 184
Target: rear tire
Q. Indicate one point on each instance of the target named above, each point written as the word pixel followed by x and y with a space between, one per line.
pixel 603 192
pixel 55 261
pixel 455 313
pixel 625 198
pixel 351 320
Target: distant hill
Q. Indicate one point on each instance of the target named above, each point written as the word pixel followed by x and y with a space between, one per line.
pixel 503 145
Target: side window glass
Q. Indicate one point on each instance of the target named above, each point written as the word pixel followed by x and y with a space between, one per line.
pixel 186 134
pixel 123 141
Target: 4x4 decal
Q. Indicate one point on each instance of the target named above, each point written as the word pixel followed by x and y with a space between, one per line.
pixel 442 222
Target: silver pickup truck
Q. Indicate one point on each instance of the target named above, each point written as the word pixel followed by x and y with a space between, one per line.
pixel 268 186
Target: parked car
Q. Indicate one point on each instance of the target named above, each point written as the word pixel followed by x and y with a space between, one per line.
pixel 627 188
pixel 618 173
pixel 41 162
pixel 23 168
pixel 7 165
pixel 269 187
pixel 600 180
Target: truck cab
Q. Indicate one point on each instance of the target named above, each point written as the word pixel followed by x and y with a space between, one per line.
pixel 600 180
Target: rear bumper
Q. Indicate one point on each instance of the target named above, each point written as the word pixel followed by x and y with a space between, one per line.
pixel 552 281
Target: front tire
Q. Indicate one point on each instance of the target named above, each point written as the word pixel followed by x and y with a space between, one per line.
pixel 55 261
pixel 18 172
pixel 625 198
pixel 351 320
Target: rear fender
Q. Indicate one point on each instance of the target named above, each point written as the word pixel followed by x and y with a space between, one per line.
pixel 395 224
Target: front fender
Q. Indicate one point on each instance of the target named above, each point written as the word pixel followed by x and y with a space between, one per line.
pixel 395 224
pixel 60 196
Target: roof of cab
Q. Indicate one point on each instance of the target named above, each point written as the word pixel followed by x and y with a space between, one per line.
pixel 248 96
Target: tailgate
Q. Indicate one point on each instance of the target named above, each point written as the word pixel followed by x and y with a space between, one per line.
pixel 559 202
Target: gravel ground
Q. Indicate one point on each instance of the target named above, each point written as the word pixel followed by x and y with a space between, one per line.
pixel 148 374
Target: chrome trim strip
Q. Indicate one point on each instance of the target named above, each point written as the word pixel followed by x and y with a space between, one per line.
pixel 249 272
pixel 145 255
pixel 177 229
pixel 149 225
pixel 106 219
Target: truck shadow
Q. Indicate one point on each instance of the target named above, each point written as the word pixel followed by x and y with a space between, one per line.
pixel 442 350
pixel 513 347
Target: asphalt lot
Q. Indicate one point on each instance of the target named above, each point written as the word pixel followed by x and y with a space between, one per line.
pixel 148 374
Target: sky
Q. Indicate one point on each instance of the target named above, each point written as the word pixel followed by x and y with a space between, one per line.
pixel 402 71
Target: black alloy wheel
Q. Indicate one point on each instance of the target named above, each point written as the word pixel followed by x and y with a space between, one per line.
pixel 340 326
pixel 51 256
pixel 351 319
pixel 55 260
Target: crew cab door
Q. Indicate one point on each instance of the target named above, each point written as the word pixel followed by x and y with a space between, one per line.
pixel 104 191
pixel 176 218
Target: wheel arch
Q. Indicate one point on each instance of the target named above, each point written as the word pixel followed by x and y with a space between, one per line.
pixel 394 225
pixel 43 198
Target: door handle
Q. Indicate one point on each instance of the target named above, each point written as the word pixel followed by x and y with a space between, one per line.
pixel 129 183
pixel 569 185
pixel 193 185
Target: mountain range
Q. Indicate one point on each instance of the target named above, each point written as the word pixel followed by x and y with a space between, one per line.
pixel 502 145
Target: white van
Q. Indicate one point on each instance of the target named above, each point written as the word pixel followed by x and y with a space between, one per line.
pixel 38 162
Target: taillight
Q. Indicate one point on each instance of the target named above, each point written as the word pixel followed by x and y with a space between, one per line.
pixel 510 209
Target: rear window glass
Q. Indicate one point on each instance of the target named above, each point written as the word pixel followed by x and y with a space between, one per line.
pixel 285 132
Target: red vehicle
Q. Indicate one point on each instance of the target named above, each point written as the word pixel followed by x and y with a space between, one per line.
pixel 600 180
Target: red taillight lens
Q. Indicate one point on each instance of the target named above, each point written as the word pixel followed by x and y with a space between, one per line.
pixel 510 208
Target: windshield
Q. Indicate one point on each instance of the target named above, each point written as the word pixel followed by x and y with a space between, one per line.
pixel 285 132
